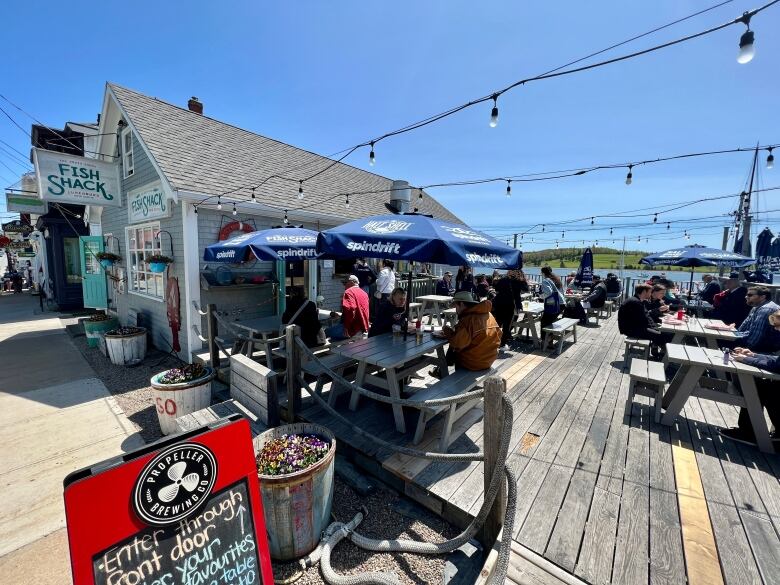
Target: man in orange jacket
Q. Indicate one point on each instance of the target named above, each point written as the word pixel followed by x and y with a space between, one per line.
pixel 476 338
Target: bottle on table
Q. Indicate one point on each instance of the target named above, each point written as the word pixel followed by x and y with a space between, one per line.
pixel 418 330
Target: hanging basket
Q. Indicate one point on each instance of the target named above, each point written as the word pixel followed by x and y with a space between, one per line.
pixel 106 263
pixel 157 266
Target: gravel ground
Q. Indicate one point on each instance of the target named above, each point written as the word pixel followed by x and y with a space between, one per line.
pixel 390 515
pixel 384 521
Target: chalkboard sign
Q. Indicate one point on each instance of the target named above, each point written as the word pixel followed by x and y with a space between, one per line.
pixel 214 546
pixel 186 511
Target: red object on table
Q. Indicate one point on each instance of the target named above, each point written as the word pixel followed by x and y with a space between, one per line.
pixel 680 315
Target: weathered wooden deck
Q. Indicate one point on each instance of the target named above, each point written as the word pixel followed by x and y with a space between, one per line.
pixel 603 492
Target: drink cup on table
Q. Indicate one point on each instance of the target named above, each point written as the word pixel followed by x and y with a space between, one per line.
pixel 396 330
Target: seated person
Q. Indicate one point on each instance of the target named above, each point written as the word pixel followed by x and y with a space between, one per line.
pixel 672 296
pixel 302 312
pixel 354 311
pixel 634 321
pixel 730 305
pixel 656 306
pixel 767 390
pixel 391 312
pixel 444 286
pixel 597 295
pixel 756 333
pixel 476 338
pixel 613 285
pixel 711 288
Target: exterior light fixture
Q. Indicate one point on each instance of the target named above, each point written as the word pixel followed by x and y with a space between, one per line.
pixel 494 112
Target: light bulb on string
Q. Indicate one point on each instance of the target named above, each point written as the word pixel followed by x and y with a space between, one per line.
pixel 286 221
pixel 494 112
pixel 563 235
pixel 668 226
pixel 655 218
pixel 219 204
pixel 596 244
pixel 509 187
pixel 347 202
pixel 556 245
pixel 746 49
pixel 630 175
pixel 420 196
pixel 610 231
pixel 300 189
pixel 371 157
pixel 592 220
pixel 195 209
pixel 770 160
pixel 542 227
pixel 254 199
pixel 235 211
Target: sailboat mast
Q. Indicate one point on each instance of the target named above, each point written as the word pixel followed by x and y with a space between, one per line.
pixel 746 220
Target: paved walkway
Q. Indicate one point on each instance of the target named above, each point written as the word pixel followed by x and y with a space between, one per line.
pixel 56 416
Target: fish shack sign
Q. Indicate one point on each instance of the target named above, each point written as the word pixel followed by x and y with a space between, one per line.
pixel 68 178
pixel 148 202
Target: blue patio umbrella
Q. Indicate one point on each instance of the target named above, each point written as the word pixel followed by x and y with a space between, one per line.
pixel 695 255
pixel 766 262
pixel 417 237
pixel 585 271
pixel 284 244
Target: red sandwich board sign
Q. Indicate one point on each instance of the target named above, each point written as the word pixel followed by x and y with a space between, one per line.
pixel 186 510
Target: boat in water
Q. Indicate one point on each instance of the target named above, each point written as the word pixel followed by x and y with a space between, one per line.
pixel 643 275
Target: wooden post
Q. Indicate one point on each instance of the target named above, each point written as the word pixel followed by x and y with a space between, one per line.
pixel 495 387
pixel 213 331
pixel 293 369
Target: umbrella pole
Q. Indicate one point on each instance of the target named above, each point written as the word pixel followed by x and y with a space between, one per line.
pixel 408 300
pixel 690 286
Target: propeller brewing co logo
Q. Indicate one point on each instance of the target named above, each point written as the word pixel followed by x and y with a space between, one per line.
pixel 174 483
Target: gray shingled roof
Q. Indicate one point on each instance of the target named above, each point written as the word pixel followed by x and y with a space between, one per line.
pixel 200 154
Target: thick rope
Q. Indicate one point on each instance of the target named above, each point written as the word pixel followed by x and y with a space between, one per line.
pixel 433 403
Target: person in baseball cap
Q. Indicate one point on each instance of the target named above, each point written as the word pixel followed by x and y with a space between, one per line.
pixel 444 287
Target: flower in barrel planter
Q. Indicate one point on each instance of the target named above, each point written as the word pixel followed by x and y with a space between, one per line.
pixel 125 331
pixel 126 346
pixel 107 259
pixel 180 391
pixel 291 453
pixel 158 262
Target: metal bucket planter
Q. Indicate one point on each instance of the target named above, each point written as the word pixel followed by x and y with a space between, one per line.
pixel 126 350
pixel 174 400
pixel 157 266
pixel 297 505
pixel 93 329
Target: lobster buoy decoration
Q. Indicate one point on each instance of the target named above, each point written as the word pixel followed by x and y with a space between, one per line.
pixel 234 226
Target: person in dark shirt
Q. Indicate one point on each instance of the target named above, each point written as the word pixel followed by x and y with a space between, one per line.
pixel 391 312
pixel 302 312
pixel 444 286
pixel 656 306
pixel 505 303
pixel 732 308
pixel 612 283
pixel 634 321
pixel 711 288
pixel 768 391
pixel 366 275
pixel 597 296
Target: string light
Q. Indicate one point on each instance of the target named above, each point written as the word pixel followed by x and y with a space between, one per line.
pixel 610 231
pixel 420 196
pixel 195 209
pixel 542 227
pixel 668 225
pixel 746 49
pixel 235 211
pixel 655 218
pixel 630 175
pixel 300 189
pixel 347 202
pixel 563 235
pixel 371 157
pixel 254 199
pixel 592 220
pixel 219 204
pixel 494 111
pixel 286 221
pixel 509 187
pixel 770 160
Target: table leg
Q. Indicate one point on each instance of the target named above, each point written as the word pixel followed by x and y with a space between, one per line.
pixel 360 379
pixel 678 338
pixel 424 308
pixel 442 359
pixel 437 308
pixel 679 391
pixel 756 412
pixel 534 333
pixel 395 392
pixel 712 343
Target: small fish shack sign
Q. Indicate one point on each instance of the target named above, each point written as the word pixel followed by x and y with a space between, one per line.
pixel 184 511
pixel 147 203
pixel 67 178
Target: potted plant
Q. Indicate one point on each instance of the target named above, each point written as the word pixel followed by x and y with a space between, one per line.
pixel 158 262
pixel 107 259
pixel 126 346
pixel 295 463
pixel 96 324
pixel 181 391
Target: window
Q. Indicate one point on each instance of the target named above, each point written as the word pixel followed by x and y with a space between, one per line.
pixel 127 152
pixel 70 247
pixel 141 244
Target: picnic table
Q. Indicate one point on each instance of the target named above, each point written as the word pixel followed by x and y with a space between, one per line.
pixel 436 303
pixel 694 362
pixel 699 306
pixel 398 357
pixel 525 320
pixel 698 328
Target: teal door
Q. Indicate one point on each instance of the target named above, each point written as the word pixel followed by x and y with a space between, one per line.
pixel 93 277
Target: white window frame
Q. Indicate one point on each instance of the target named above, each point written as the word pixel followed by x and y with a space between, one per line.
pixel 138 274
pixel 128 168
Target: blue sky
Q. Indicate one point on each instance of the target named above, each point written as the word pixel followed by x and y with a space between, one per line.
pixel 326 75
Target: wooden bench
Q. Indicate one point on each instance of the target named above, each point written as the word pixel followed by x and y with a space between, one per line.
pixel 457 383
pixel 255 386
pixel 592 313
pixel 607 309
pixel 561 329
pixel 318 368
pixel 647 379
pixel 450 315
pixel 215 412
pixel 642 345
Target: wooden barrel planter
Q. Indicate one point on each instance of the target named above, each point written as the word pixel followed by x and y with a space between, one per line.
pixel 126 350
pixel 93 329
pixel 297 505
pixel 174 400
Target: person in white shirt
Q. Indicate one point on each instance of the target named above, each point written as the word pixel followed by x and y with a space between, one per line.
pixel 385 282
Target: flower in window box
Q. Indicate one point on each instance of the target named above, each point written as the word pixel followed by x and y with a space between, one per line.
pixel 158 262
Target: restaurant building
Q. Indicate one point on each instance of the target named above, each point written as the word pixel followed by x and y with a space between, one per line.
pixel 181 175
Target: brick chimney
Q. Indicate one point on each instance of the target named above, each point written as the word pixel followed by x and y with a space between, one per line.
pixel 195 106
